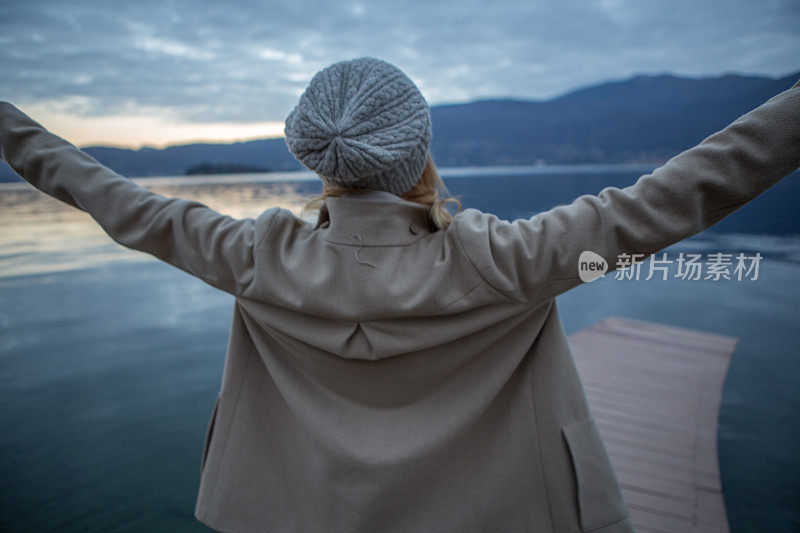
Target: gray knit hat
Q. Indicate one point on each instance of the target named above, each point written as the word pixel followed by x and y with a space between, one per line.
pixel 362 123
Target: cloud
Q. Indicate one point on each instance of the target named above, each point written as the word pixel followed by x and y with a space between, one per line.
pixel 247 62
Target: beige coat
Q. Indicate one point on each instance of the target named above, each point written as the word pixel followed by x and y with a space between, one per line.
pixel 381 376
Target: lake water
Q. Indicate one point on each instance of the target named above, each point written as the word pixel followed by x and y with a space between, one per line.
pixel 110 361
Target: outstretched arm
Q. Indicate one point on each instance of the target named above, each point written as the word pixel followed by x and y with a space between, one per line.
pixel 534 259
pixel 187 234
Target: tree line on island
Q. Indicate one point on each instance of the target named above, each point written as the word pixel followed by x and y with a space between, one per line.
pixel 224 168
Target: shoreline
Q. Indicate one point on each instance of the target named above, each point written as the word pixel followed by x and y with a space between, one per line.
pixel 307 175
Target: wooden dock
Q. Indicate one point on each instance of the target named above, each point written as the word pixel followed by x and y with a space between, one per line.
pixel 655 392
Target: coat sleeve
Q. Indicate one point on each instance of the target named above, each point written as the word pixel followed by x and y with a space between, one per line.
pixel 187 234
pixel 531 260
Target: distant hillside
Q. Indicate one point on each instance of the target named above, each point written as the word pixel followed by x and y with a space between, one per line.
pixel 176 160
pixel 644 119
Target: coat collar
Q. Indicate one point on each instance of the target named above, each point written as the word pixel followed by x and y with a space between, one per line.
pixel 373 218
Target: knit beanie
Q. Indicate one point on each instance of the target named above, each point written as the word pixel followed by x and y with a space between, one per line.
pixel 362 123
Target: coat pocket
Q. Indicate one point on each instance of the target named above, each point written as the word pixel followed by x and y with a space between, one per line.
pixel 209 433
pixel 600 501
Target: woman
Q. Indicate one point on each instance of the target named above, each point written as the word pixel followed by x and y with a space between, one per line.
pixel 393 367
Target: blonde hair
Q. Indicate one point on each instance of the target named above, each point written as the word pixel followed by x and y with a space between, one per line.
pixel 429 190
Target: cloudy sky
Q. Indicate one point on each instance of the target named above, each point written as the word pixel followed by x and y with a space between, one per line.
pixel 167 71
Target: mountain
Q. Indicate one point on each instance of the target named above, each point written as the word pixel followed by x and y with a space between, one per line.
pixel 643 119
pixel 176 160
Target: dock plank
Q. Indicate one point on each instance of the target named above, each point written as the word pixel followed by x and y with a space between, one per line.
pixel 655 392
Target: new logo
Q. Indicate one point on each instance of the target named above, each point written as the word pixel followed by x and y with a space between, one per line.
pixel 591 266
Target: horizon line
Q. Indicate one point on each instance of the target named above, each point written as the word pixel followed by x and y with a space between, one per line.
pixel 225 140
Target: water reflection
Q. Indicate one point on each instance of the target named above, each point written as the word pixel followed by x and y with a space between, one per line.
pixel 39 234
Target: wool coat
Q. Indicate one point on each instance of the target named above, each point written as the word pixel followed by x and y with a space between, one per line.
pixel 382 375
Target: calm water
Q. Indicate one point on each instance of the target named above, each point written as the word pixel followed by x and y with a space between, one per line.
pixel 110 361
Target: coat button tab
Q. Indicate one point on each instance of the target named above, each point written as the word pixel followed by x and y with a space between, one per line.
pixel 413 229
